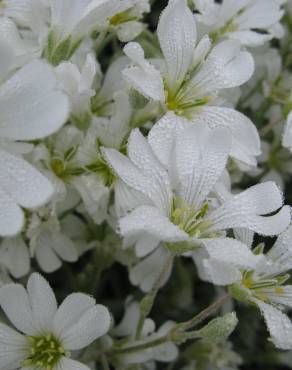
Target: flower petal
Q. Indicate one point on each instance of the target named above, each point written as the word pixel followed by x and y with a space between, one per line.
pixel 22 48
pixel 43 302
pixel 112 80
pixel 133 176
pixel 15 303
pixel 141 154
pixel 166 352
pixel 41 109
pixel 15 256
pixel 225 67
pixel 200 157
pixel 94 195
pixel 281 252
pixel 64 247
pixel 6 59
pixel 66 14
pixel 219 272
pixel 68 364
pixel 146 272
pixel 143 76
pixel 12 346
pixel 250 38
pixel 147 220
pixel 22 182
pixel 244 210
pixel 71 310
pixel 245 137
pixel 11 216
pixel 28 14
pixel 279 325
pixel 145 245
pixel 127 325
pixel 162 135
pixel 231 251
pixel 177 37
pixel 238 65
pixel 260 14
pixel 45 256
pixel 93 323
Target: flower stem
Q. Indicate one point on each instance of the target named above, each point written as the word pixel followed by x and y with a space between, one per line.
pixel 203 315
pixel 177 334
pixel 143 346
pixel 104 362
pixel 266 129
pixel 103 40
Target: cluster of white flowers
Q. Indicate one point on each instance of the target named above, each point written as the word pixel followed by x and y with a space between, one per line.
pixel 127 147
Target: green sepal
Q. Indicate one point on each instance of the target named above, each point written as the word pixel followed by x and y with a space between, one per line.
pixel 239 293
pixel 219 329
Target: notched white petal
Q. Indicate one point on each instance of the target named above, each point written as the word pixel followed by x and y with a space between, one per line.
pixel 177 36
pixel 142 75
pixel 279 325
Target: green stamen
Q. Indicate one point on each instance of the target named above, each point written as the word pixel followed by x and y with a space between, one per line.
pixel 45 352
pixel 260 287
pixel 188 219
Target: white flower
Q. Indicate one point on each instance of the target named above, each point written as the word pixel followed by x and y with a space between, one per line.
pixel 239 19
pixel 192 76
pixel 47 333
pixel 58 157
pixel 110 132
pixel 113 82
pixel 48 243
pixel 166 352
pixel 78 84
pixel 95 196
pixel 264 287
pixel 77 230
pixel 78 18
pixel 176 175
pixel 60 25
pixel 30 108
pixel 128 324
pixel 145 273
pixel 73 162
pixel 127 23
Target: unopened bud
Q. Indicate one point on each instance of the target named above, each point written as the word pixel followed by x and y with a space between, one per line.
pixel 220 328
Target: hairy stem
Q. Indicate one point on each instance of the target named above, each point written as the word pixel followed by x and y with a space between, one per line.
pixel 176 334
pixel 141 346
pixel 203 315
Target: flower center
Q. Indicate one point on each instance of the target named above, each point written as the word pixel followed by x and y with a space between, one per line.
pixel 45 352
pixel 182 105
pixel 261 288
pixel 64 170
pixel 188 219
pixel 58 50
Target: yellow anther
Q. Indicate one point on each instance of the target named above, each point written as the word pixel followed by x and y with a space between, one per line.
pixel 279 290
